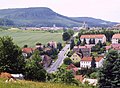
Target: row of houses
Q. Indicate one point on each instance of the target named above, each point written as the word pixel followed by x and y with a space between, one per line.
pixel 100 37
pixel 85 62
pixel 85 58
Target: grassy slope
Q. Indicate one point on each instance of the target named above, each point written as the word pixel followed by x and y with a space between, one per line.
pixel 31 84
pixel 31 37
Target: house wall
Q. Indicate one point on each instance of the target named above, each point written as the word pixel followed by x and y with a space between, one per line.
pixel 96 40
pixel 86 64
pixel 100 63
pixel 114 41
pixel 75 58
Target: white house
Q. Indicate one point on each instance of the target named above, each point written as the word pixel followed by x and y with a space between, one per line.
pixel 115 38
pixel 95 37
pixel 86 62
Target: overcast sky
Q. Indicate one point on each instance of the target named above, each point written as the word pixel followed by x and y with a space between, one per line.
pixel 103 9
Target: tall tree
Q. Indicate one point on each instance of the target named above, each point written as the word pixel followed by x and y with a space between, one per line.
pixel 93 62
pixel 90 41
pixel 109 74
pixel 71 32
pixel 66 36
pixel 34 69
pixel 118 40
pixel 93 41
pixel 59 46
pixel 72 44
pixel 11 59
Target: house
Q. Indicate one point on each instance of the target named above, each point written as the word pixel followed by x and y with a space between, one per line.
pixel 76 57
pixel 86 62
pixel 53 44
pixel 73 68
pixel 93 37
pixel 27 52
pixel 116 39
pixel 113 46
pixel 86 50
pixel 46 61
pixel 79 77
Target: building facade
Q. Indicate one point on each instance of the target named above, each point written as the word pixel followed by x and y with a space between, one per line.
pixel 96 38
pixel 86 62
pixel 116 39
pixel 76 57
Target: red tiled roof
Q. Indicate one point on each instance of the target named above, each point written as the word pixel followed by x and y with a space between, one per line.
pixel 27 50
pixel 93 36
pixel 90 58
pixel 116 36
pixel 71 66
pixel 79 77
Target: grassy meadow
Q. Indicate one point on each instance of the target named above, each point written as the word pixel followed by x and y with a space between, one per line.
pixel 22 37
pixel 31 84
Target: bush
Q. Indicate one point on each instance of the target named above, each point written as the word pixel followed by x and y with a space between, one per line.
pixel 67 61
pixel 94 75
pixel 34 69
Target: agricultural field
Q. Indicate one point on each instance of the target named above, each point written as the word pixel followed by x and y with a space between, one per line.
pixel 22 37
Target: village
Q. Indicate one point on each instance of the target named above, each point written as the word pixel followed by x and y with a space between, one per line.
pixel 85 58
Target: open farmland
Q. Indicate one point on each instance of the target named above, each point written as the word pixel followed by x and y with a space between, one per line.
pixel 31 37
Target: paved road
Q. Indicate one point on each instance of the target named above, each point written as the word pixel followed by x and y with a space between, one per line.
pixel 61 57
pixel 59 61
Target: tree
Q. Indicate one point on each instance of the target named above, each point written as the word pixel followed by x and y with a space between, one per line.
pixel 67 61
pixel 34 69
pixel 79 42
pixel 59 46
pixel 25 46
pixel 93 41
pixel 109 74
pixel 93 62
pixel 118 40
pixel 11 59
pixel 90 41
pixel 71 32
pixel 65 76
pixel 66 36
pixel 72 44
pixel 84 42
pixel 100 44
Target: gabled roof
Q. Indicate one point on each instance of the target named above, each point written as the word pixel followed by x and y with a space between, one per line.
pixel 93 36
pixel 90 58
pixel 27 50
pixel 71 66
pixel 79 77
pixel 116 36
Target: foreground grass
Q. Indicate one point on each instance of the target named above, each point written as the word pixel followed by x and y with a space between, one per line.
pixel 31 37
pixel 31 84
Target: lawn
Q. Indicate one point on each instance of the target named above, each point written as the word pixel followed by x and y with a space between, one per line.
pixel 31 84
pixel 32 37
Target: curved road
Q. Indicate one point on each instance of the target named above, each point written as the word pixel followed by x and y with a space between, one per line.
pixel 59 61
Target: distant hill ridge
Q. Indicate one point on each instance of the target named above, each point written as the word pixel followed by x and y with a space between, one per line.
pixel 43 16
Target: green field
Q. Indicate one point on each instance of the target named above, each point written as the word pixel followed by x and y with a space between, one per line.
pixel 31 37
pixel 31 84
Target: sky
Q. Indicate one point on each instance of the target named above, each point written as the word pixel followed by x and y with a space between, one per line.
pixel 102 9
